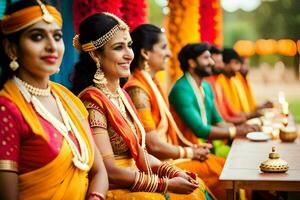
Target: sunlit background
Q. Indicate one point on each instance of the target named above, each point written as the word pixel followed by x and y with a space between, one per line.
pixel 262 25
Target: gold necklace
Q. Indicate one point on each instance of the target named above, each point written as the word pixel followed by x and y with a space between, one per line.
pixel 123 104
pixel 34 90
pixel 80 159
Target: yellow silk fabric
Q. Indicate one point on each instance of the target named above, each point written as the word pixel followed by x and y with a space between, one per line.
pixel 27 17
pixel 59 179
pixel 209 171
pixel 230 91
pixel 245 93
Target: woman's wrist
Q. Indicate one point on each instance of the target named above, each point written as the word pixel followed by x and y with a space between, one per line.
pixel 186 152
pixel 189 152
pixel 96 196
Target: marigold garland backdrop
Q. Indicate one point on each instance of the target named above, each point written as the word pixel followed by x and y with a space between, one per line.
pixel 188 21
pixel 192 21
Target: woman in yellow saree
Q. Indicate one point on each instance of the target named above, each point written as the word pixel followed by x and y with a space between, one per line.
pixel 46 149
pixel 133 173
pixel 163 137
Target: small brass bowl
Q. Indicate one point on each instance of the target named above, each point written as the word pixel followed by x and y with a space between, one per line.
pixel 288 134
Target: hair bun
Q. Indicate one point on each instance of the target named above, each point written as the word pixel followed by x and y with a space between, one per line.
pixel 76 42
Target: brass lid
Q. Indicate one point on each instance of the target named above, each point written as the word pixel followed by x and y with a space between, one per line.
pixel 274 163
pixel 289 129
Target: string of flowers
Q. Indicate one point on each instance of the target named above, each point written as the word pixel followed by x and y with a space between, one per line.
pixel 84 8
pixel 134 12
pixel 182 28
pixel 211 22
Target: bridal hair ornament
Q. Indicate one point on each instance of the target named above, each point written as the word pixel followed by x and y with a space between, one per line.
pixel 26 17
pixel 100 42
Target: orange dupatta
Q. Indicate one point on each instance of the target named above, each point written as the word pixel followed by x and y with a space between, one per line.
pixel 248 91
pixel 230 91
pixel 163 126
pixel 218 100
pixel 59 179
pixel 221 101
pixel 119 124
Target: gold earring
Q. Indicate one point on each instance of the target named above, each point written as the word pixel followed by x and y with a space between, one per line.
pixel 99 77
pixel 146 66
pixel 14 65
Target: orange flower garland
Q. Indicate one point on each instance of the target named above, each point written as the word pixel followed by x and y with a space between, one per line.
pixel 211 22
pixel 182 28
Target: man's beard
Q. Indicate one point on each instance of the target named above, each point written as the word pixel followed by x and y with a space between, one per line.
pixel 203 71
pixel 229 74
pixel 244 72
pixel 217 71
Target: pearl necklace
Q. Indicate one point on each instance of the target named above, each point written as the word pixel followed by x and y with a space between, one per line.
pixel 80 160
pixel 34 90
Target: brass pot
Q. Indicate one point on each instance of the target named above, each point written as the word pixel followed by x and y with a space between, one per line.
pixel 274 164
pixel 288 134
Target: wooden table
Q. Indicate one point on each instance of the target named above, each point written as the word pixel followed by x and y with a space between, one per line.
pixel 242 170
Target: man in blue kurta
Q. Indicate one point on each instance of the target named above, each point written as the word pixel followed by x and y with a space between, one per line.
pixel 192 101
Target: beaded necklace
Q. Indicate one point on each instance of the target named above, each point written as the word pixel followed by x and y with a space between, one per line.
pixel 80 159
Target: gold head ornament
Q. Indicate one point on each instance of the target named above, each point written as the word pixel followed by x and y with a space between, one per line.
pixel 26 17
pixel 47 17
pixel 100 42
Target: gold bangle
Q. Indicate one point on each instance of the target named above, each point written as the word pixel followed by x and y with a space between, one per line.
pixel 181 152
pixel 190 152
pixel 166 186
pixel 232 132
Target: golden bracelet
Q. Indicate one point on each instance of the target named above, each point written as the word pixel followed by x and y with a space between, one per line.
pixel 181 152
pixel 232 132
pixel 190 152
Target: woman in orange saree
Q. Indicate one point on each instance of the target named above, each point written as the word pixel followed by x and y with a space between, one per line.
pixel 163 138
pixel 133 173
pixel 46 149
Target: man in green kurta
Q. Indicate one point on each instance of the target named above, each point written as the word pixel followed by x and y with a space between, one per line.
pixel 192 101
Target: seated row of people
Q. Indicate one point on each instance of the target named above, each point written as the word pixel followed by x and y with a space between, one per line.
pixel 46 146
pixel 57 146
